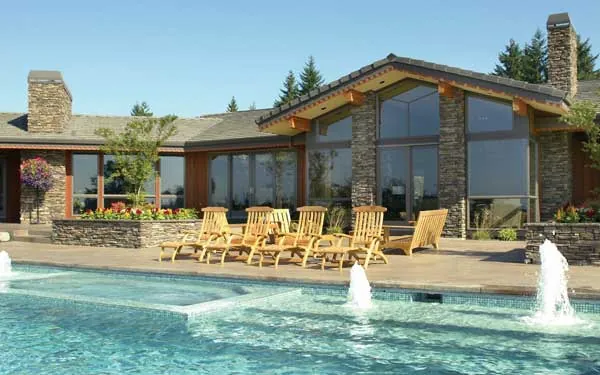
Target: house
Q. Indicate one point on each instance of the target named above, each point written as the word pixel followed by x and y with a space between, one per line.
pixel 408 134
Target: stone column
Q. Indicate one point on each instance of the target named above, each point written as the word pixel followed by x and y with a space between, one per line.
pixel 562 53
pixel 453 163
pixel 364 152
pixel 53 202
pixel 556 171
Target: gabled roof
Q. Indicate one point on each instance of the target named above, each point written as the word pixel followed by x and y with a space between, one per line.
pixel 589 90
pixel 80 130
pixel 424 68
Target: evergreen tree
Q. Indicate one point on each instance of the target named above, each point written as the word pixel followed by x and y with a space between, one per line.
pixel 232 106
pixel 141 109
pixel 511 62
pixel 586 61
pixel 535 59
pixel 290 90
pixel 310 77
pixel 252 106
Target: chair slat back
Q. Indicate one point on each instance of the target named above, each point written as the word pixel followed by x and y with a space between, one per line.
pixel 258 222
pixel 429 227
pixel 282 217
pixel 310 222
pixel 368 224
pixel 214 220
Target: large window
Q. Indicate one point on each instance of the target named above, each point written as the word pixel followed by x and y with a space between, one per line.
pixel 90 193
pixel 238 181
pixel 409 124
pixel 501 161
pixel 329 160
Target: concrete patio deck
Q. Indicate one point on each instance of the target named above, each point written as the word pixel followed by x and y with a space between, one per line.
pixel 470 266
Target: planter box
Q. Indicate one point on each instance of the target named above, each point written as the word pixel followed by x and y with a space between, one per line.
pixel 579 243
pixel 118 233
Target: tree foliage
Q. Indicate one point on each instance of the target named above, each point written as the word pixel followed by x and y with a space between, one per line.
pixel 310 77
pixel 252 106
pixel 135 151
pixel 586 60
pixel 535 59
pixel 582 115
pixel 290 90
pixel 510 61
pixel 232 106
pixel 141 109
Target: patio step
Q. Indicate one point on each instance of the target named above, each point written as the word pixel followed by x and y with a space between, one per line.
pixel 34 238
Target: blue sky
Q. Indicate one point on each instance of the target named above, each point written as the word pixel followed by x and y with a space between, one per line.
pixel 190 57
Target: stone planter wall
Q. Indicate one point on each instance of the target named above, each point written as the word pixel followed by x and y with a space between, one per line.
pixel 579 243
pixel 118 233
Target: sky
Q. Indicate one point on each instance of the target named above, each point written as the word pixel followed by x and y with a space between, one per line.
pixel 190 57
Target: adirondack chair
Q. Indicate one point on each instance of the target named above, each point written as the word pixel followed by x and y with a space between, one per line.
pixel 310 226
pixel 256 233
pixel 214 223
pixel 427 231
pixel 365 238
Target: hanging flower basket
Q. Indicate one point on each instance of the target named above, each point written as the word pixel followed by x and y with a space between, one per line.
pixel 35 173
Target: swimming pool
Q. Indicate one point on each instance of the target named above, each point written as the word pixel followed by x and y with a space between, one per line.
pixel 113 323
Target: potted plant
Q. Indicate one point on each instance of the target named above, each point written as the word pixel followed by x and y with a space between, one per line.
pixel 35 174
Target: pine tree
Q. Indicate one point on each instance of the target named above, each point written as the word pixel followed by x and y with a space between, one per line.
pixel 289 91
pixel 141 109
pixel 511 62
pixel 535 59
pixel 252 106
pixel 310 77
pixel 232 106
pixel 586 61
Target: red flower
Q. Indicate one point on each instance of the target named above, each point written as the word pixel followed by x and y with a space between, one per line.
pixel 138 212
pixel 590 213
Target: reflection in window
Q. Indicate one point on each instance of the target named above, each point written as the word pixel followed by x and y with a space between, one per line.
pixel 240 186
pixel 330 174
pixel 172 175
pixel 219 181
pixel 486 115
pixel 115 189
pixel 393 172
pixel 414 112
pixel 85 182
pixel 497 213
pixel 425 179
pixel 335 127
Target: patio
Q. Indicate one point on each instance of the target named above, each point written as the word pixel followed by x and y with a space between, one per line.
pixel 460 265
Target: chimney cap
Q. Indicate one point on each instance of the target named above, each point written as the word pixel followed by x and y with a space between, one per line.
pixel 45 75
pixel 558 21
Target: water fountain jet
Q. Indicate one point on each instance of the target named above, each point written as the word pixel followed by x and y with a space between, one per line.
pixel 5 265
pixel 359 292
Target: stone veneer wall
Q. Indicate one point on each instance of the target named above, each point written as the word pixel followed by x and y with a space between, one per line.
pixel 453 163
pixel 579 243
pixel 556 171
pixel 52 203
pixel 49 106
pixel 118 233
pixel 562 58
pixel 364 152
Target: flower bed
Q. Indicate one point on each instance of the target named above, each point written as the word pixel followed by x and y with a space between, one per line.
pixel 118 211
pixel 118 233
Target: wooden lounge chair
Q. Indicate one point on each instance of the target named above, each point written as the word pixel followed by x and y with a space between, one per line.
pixel 310 227
pixel 281 217
pixel 427 231
pixel 255 234
pixel 365 238
pixel 214 223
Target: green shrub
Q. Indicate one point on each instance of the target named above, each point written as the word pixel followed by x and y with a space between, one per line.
pixel 507 234
pixel 336 219
pixel 481 235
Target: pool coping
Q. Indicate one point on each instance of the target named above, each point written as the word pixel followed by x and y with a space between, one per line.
pixel 504 290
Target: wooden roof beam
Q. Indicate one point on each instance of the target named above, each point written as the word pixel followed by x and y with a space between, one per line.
pixel 300 124
pixel 519 106
pixel 354 97
pixel 445 89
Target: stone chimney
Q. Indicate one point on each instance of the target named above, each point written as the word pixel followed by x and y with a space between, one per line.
pixel 49 102
pixel 562 53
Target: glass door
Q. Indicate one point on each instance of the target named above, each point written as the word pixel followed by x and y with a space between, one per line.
pixel 241 187
pixel 424 179
pixel 393 182
pixel 2 189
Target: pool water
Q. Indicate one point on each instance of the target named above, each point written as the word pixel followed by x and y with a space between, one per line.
pixel 299 331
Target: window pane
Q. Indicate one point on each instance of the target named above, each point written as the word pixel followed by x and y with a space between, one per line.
pixel 285 178
pixel 412 113
pixel 171 202
pixel 117 185
pixel 85 174
pixel 486 115
pixel 82 204
pixel 219 181
pixel 335 129
pixel 497 213
pixel 172 174
pixel 498 167
pixel 425 116
pixel 393 171
pixel 330 174
pixel 240 186
pixel 265 169
pixel 425 179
